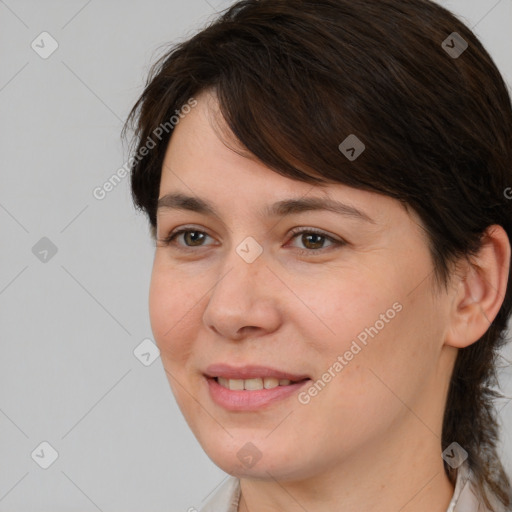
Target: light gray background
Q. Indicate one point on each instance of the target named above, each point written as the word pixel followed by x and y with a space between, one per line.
pixel 69 327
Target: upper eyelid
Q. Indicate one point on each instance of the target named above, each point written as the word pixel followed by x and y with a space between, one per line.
pixel 293 233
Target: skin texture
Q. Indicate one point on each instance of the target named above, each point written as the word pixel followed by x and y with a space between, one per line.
pixel 371 438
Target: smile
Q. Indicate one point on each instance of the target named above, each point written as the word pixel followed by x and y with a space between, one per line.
pixel 252 384
pixel 255 396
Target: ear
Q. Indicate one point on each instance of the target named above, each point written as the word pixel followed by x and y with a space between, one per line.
pixel 480 290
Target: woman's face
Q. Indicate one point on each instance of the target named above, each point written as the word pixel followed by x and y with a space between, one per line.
pixel 349 307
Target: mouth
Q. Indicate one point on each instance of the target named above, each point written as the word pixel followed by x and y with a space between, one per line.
pixel 251 387
pixel 251 377
pixel 254 384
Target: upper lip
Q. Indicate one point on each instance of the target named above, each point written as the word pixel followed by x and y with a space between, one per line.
pixel 250 372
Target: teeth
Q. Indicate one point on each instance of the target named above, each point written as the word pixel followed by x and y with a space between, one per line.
pixel 236 384
pixel 270 382
pixel 252 384
pixel 223 382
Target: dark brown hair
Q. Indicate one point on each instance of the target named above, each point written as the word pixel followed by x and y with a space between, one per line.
pixel 294 78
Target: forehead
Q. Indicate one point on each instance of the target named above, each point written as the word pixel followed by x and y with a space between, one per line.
pixel 206 170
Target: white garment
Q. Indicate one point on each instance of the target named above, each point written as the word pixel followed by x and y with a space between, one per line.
pixel 464 496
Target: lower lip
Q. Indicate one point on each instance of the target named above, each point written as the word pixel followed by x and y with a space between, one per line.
pixel 250 400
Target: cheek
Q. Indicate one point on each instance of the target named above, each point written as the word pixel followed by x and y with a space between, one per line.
pixel 373 322
pixel 335 311
pixel 171 312
pixel 384 364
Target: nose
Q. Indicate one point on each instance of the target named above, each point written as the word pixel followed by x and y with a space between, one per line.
pixel 245 301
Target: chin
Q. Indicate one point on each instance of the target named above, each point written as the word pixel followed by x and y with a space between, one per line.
pixel 260 459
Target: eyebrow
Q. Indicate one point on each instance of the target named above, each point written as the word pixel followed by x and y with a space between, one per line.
pixel 285 207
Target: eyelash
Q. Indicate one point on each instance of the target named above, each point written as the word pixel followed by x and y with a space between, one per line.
pixel 295 232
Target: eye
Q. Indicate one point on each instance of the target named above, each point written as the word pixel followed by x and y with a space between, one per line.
pixel 311 237
pixel 191 235
pixel 314 237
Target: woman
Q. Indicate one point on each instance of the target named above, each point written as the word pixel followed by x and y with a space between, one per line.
pixel 326 184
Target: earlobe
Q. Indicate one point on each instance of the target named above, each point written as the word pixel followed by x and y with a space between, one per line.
pixel 480 290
